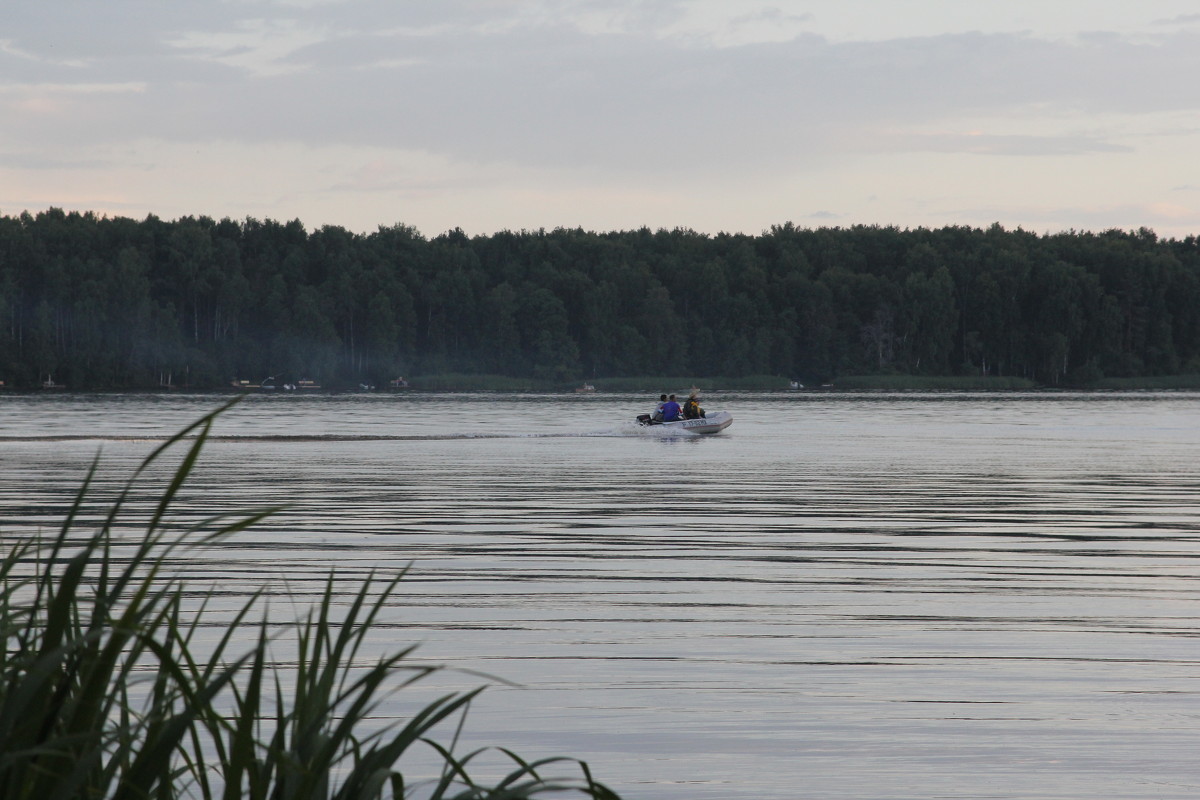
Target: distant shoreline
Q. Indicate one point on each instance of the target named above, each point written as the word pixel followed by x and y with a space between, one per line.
pixel 852 384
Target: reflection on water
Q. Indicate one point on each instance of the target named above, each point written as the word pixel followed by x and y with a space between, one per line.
pixel 839 597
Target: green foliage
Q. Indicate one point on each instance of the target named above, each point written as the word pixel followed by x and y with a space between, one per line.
pixel 462 382
pixel 1155 383
pixel 104 692
pixel 113 303
pixel 930 383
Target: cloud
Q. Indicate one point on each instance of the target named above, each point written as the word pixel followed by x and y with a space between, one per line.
pixel 73 88
pixel 259 47
pixel 47 162
pixel 1098 216
pixel 485 83
pixel 421 98
pixel 1000 144
pixel 1181 19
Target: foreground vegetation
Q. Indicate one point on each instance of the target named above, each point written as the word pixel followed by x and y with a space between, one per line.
pixel 106 692
pixel 117 303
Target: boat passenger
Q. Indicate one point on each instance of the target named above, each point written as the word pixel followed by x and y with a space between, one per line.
pixel 658 412
pixel 691 407
pixel 670 410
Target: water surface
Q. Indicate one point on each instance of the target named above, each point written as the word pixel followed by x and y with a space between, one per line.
pixel 877 596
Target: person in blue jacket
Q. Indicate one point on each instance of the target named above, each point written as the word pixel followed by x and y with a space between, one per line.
pixel 671 410
pixel 662 401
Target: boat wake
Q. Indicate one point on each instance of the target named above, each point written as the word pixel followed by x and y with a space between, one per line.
pixel 620 430
pixel 324 437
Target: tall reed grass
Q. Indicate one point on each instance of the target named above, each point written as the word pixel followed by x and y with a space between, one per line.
pixel 107 691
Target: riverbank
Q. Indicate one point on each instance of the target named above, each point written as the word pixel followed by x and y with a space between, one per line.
pixel 775 383
pixel 465 382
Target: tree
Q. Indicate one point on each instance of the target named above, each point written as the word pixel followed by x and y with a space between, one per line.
pixel 879 336
pixel 931 319
pixel 552 351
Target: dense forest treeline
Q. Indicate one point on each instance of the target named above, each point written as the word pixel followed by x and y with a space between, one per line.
pixel 94 302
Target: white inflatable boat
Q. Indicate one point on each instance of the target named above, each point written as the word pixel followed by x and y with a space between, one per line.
pixel 713 422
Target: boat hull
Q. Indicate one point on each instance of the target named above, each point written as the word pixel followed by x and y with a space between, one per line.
pixel 713 423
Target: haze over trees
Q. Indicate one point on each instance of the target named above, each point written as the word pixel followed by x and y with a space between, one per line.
pixel 118 303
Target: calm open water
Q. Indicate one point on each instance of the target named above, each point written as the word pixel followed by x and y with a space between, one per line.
pixel 884 596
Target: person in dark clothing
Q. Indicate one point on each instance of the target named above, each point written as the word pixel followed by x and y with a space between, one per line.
pixel 691 407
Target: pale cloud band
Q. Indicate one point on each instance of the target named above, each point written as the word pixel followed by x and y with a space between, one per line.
pixel 717 116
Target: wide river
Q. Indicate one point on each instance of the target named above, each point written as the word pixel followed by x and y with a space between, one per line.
pixel 841 596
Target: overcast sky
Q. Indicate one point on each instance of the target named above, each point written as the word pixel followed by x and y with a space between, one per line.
pixel 712 115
